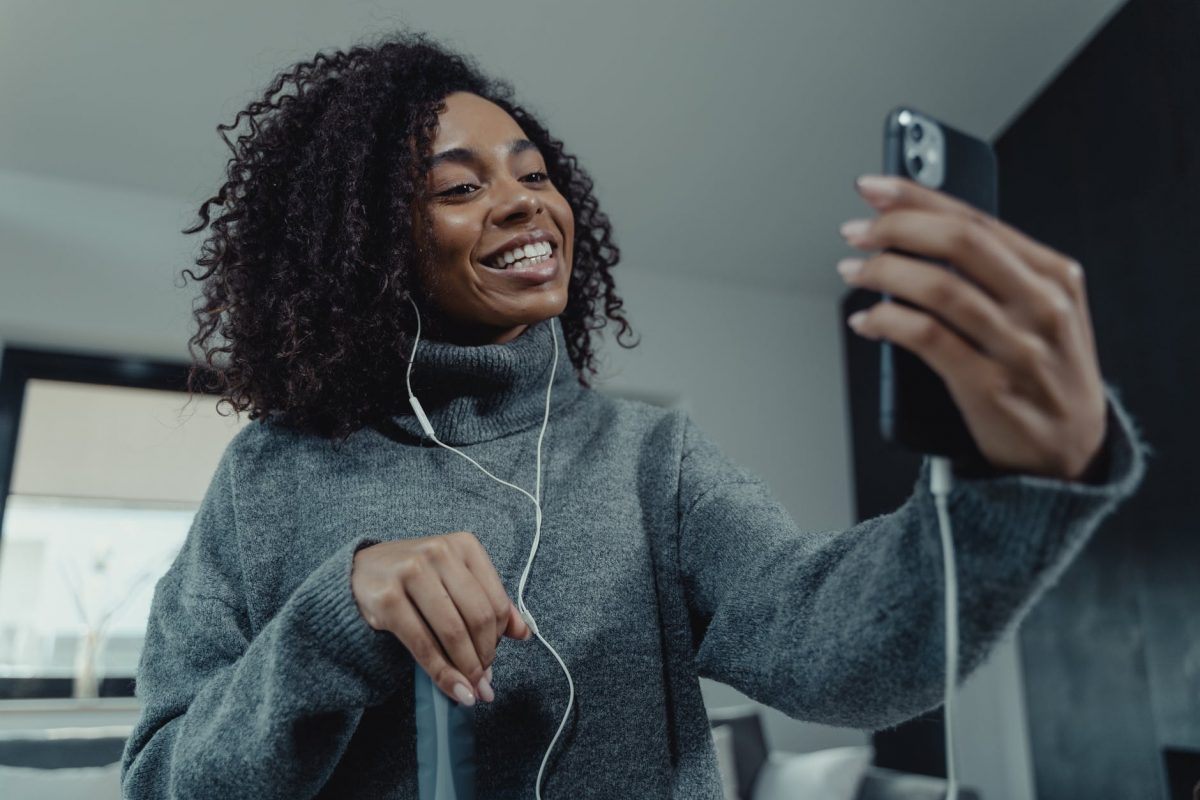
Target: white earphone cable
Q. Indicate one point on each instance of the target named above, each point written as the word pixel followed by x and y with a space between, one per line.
pixel 939 484
pixel 537 534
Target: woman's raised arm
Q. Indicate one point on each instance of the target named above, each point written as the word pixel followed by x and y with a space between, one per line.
pixel 846 627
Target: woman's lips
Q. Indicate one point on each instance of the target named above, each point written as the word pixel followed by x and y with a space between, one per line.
pixel 539 273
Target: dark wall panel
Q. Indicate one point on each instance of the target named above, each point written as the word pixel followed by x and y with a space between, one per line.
pixel 1105 165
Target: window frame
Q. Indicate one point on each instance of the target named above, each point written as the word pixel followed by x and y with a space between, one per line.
pixel 19 365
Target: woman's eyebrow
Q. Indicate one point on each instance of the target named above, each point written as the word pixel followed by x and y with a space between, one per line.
pixel 465 155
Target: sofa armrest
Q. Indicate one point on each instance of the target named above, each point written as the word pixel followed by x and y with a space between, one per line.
pixel 886 784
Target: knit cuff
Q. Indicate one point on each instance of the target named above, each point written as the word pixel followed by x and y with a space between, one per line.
pixel 1116 471
pixel 1114 468
pixel 329 617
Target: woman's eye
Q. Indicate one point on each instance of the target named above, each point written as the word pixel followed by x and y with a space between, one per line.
pixel 463 189
pixel 455 190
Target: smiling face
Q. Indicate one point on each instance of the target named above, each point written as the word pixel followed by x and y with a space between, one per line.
pixel 488 195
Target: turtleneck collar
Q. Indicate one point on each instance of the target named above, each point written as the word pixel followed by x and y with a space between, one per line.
pixel 477 393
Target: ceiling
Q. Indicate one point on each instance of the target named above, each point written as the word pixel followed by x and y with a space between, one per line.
pixel 722 137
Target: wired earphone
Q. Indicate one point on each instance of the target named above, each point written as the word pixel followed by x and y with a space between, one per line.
pixel 939 484
pixel 537 533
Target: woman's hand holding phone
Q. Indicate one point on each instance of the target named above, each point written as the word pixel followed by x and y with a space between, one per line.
pixel 441 596
pixel 1023 371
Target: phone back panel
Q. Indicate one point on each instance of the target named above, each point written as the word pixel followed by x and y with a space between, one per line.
pixel 916 409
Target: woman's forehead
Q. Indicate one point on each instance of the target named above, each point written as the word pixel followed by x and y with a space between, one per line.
pixel 473 122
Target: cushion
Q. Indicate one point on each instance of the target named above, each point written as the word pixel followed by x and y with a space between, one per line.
pixel 833 774
pixel 723 740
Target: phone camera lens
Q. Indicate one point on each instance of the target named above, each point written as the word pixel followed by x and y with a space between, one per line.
pixel 915 165
pixel 916 132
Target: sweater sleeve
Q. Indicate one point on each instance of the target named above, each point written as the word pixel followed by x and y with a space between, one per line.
pixel 233 713
pixel 847 627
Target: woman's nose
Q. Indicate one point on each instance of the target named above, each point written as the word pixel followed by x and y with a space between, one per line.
pixel 516 200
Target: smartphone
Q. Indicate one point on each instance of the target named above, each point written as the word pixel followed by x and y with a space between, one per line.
pixel 916 410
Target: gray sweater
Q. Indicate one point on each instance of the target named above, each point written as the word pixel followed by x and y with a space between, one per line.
pixel 661 560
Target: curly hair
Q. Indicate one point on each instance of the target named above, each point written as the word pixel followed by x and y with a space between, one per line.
pixel 309 264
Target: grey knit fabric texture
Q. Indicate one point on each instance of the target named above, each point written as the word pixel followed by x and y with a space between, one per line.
pixel 661 560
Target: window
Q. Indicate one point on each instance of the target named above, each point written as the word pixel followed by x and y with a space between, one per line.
pixel 103 463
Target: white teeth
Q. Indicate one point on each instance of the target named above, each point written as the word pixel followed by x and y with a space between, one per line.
pixel 518 253
pixel 528 263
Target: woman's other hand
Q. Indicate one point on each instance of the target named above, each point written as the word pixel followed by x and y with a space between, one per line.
pixel 441 596
pixel 1018 354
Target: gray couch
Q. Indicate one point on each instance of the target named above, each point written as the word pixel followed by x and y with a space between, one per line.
pixel 63 747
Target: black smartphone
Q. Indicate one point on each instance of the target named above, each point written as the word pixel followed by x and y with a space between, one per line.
pixel 916 410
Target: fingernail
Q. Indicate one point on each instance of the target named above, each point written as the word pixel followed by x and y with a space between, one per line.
pixel 856 319
pixel 855 229
pixel 485 690
pixel 878 190
pixel 464 694
pixel 488 674
pixel 849 267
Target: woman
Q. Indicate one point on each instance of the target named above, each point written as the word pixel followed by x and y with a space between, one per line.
pixel 338 549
